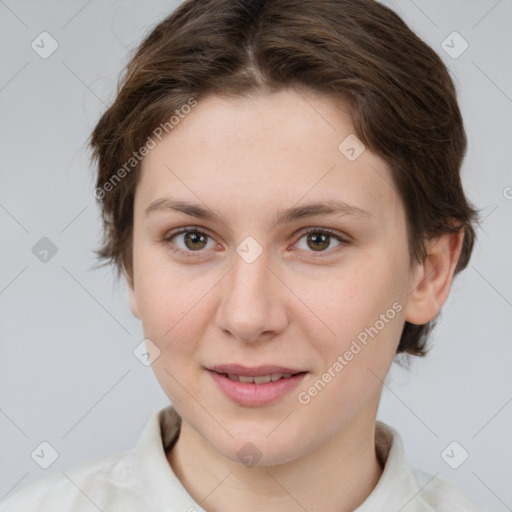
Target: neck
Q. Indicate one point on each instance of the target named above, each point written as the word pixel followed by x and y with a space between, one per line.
pixel 339 475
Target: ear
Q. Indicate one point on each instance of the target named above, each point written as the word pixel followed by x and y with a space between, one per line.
pixel 433 278
pixel 134 305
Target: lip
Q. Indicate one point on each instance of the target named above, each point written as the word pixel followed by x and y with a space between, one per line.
pixel 255 371
pixel 250 394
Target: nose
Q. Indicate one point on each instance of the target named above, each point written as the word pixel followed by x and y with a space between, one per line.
pixel 253 303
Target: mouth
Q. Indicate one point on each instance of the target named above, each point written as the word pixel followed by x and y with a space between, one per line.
pixel 260 379
pixel 255 386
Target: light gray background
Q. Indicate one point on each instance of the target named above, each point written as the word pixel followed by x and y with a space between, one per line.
pixel 68 375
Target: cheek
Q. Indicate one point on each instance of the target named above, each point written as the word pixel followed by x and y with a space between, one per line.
pixel 174 304
pixel 350 302
pixel 356 359
pixel 366 312
pixel 164 299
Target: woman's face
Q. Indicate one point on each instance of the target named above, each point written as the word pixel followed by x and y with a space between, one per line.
pixel 250 286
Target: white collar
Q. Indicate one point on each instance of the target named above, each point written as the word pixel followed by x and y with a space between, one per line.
pixel 400 486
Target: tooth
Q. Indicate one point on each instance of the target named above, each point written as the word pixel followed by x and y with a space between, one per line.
pixel 244 378
pixel 276 376
pixel 232 376
pixel 262 379
pixel 286 375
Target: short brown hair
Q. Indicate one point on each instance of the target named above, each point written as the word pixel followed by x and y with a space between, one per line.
pixel 399 93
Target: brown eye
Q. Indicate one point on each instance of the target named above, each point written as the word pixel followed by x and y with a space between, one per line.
pixel 195 240
pixel 186 242
pixel 318 242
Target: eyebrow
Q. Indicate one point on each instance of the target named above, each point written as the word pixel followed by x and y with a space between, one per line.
pixel 328 207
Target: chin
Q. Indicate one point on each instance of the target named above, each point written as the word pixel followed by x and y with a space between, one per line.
pixel 261 450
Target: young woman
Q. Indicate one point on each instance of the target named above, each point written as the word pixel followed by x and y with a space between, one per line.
pixel 280 186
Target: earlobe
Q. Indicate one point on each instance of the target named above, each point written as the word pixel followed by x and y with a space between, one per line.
pixel 433 278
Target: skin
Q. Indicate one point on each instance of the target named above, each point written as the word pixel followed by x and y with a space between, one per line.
pixel 299 304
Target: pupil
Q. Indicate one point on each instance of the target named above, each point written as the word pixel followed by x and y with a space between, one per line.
pixel 195 238
pixel 323 240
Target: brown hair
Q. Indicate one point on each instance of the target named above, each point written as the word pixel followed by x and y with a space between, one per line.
pixel 399 93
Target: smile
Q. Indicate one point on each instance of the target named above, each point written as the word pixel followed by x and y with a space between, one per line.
pixel 256 390
pixel 261 379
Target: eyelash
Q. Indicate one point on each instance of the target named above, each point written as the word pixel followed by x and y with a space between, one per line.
pixel 166 241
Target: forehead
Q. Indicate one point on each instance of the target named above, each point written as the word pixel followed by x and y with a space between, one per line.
pixel 266 152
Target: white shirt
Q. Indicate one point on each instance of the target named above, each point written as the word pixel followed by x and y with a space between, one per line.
pixel 141 479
